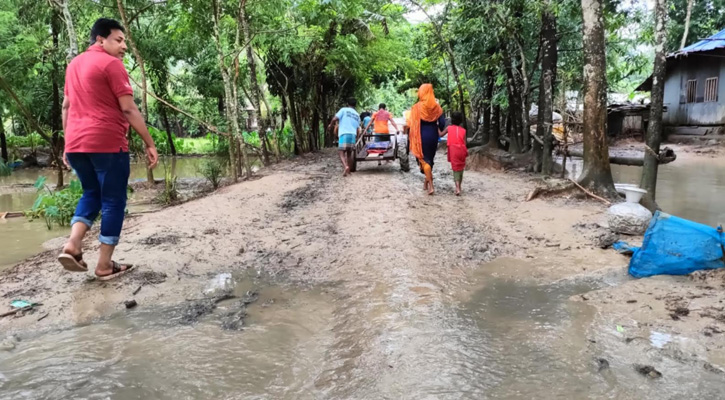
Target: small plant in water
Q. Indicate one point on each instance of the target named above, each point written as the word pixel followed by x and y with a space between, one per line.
pixel 170 194
pixel 55 207
pixel 213 171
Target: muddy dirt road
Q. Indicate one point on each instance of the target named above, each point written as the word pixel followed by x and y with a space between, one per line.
pixel 361 287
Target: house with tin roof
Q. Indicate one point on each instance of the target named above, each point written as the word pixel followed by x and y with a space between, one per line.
pixel 694 98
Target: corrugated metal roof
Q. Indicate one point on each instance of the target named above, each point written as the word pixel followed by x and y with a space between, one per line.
pixel 716 41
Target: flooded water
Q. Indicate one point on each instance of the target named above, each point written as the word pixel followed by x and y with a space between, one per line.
pixel 186 167
pixel 502 339
pixel 20 238
pixel 149 355
pixel 694 190
pixel 690 189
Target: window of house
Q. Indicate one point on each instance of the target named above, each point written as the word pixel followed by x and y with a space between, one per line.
pixel 710 89
pixel 691 91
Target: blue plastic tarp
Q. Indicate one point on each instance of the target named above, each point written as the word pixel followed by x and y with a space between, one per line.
pixel 623 247
pixel 676 246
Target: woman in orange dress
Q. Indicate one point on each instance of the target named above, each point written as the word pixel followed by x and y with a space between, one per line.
pixel 425 120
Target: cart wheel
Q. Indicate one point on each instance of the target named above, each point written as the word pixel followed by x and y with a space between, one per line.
pixel 352 162
pixel 404 161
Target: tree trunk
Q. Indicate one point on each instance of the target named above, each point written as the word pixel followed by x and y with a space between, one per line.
pixel 56 123
pixel 461 96
pixel 300 145
pixel 3 141
pixel 654 129
pixel 687 23
pixel 231 105
pixel 515 107
pixel 449 101
pixel 546 89
pixel 30 120
pixel 167 127
pixel 508 128
pixel 137 56
pixel 257 94
pixel 488 97
pixel 596 173
pixel 62 5
pixel 514 115
pixel 158 72
pixel 315 128
pixel 495 127
pixel 140 62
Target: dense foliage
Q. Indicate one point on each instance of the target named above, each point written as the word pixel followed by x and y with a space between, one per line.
pixel 262 78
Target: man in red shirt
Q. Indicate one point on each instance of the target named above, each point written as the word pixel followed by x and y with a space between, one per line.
pixel 97 110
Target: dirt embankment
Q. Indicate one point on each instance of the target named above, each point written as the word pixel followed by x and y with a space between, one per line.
pixel 304 223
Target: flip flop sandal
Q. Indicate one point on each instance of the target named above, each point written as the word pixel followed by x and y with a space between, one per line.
pixel 73 263
pixel 116 271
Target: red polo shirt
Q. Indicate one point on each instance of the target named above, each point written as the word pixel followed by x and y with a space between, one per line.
pixel 94 81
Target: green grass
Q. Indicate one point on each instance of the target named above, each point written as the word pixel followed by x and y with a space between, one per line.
pixel 202 145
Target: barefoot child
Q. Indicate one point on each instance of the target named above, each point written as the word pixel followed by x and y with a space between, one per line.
pixel 457 151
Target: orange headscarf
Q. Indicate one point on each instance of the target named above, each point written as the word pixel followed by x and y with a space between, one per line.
pixel 426 109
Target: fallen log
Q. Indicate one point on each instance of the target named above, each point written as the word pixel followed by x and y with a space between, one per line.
pixel 11 214
pixel 666 156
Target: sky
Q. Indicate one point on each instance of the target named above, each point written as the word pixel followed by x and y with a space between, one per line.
pixel 416 16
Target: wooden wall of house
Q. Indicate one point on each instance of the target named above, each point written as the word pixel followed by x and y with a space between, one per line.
pixel 699 113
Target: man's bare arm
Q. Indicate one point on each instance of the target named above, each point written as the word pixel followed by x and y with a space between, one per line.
pixel 134 117
pixel 64 112
pixel 332 122
pixel 368 125
pixel 392 121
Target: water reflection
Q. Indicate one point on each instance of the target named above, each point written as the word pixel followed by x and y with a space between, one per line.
pixel 20 239
pixel 141 355
pixel 691 189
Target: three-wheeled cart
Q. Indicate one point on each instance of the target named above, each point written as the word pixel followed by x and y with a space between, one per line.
pixel 389 147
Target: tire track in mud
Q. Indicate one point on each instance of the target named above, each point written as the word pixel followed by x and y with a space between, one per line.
pixel 395 255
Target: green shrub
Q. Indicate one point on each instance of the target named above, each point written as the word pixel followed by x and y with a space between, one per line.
pixel 213 171
pixel 55 207
pixel 32 140
pixel 170 194
pixel 5 169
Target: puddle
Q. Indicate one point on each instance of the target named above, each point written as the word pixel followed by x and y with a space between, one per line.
pixel 529 336
pixel 20 239
pixel 144 354
pixel 509 339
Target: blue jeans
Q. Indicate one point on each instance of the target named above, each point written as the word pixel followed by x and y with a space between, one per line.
pixel 104 178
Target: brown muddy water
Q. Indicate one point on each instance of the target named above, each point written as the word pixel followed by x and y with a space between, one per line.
pixel 20 239
pixel 690 189
pixel 497 339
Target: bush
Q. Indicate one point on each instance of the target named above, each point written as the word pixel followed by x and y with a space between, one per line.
pixel 5 169
pixel 213 171
pixel 32 140
pixel 170 194
pixel 55 207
